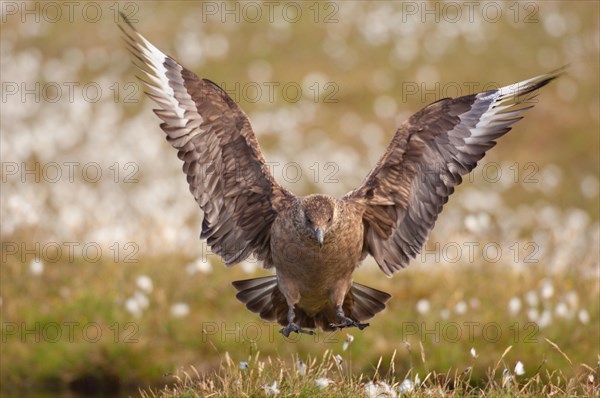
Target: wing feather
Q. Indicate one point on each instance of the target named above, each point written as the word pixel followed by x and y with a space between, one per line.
pixel 225 169
pixel 427 157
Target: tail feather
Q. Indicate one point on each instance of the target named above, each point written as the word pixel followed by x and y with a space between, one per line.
pixel 262 296
pixel 257 294
pixel 259 304
pixel 251 288
pixel 366 302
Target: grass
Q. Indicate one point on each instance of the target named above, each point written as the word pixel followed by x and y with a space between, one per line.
pixel 401 342
pixel 330 376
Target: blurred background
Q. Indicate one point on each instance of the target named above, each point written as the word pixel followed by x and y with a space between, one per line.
pixel 105 285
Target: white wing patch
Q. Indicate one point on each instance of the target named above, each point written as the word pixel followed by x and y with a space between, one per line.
pixel 163 78
pixel 159 83
pixel 507 103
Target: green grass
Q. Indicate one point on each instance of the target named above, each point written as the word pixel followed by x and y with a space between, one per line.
pixel 274 377
pixel 140 351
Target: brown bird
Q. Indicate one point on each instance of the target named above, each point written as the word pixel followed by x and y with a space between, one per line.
pixel 315 243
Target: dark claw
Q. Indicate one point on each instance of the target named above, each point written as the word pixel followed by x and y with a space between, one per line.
pixel 292 327
pixel 346 322
pixel 349 323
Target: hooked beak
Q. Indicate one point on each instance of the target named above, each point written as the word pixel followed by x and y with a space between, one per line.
pixel 320 235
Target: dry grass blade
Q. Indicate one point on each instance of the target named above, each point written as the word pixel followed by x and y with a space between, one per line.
pixel 557 348
pixel 501 358
pixel 376 376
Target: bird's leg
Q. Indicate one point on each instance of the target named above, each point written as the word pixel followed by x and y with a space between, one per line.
pixel 292 327
pixel 346 322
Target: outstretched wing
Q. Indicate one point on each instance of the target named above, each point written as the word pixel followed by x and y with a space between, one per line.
pixel 225 168
pixel 403 195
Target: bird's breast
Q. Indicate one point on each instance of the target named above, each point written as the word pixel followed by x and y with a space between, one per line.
pixel 297 254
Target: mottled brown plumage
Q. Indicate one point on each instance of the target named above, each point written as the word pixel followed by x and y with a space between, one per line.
pixel 316 242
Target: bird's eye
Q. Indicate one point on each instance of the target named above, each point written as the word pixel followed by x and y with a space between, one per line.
pixel 329 219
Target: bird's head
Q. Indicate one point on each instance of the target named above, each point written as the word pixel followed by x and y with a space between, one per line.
pixel 319 215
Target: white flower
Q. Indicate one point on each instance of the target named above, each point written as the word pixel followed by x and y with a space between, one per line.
pixel 247 266
pixel 533 314
pixel 36 266
pixel 519 369
pixel 144 283
pixel 272 390
pixel 406 386
pixel 589 186
pixel 301 367
pixel 477 224
pixel 323 382
pixel 133 307
pixel 562 310
pixel 514 305
pixel 136 304
pixel 371 390
pixel 584 316
pixel 244 365
pixel 339 359
pixel 379 390
pixel 347 342
pixel 532 298
pixel 141 299
pixel 460 307
pixel 200 265
pixel 507 378
pixel 572 299
pixel 473 352
pixel 547 289
pixel 423 306
pixel 471 223
pixel 545 319
pixel 180 310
